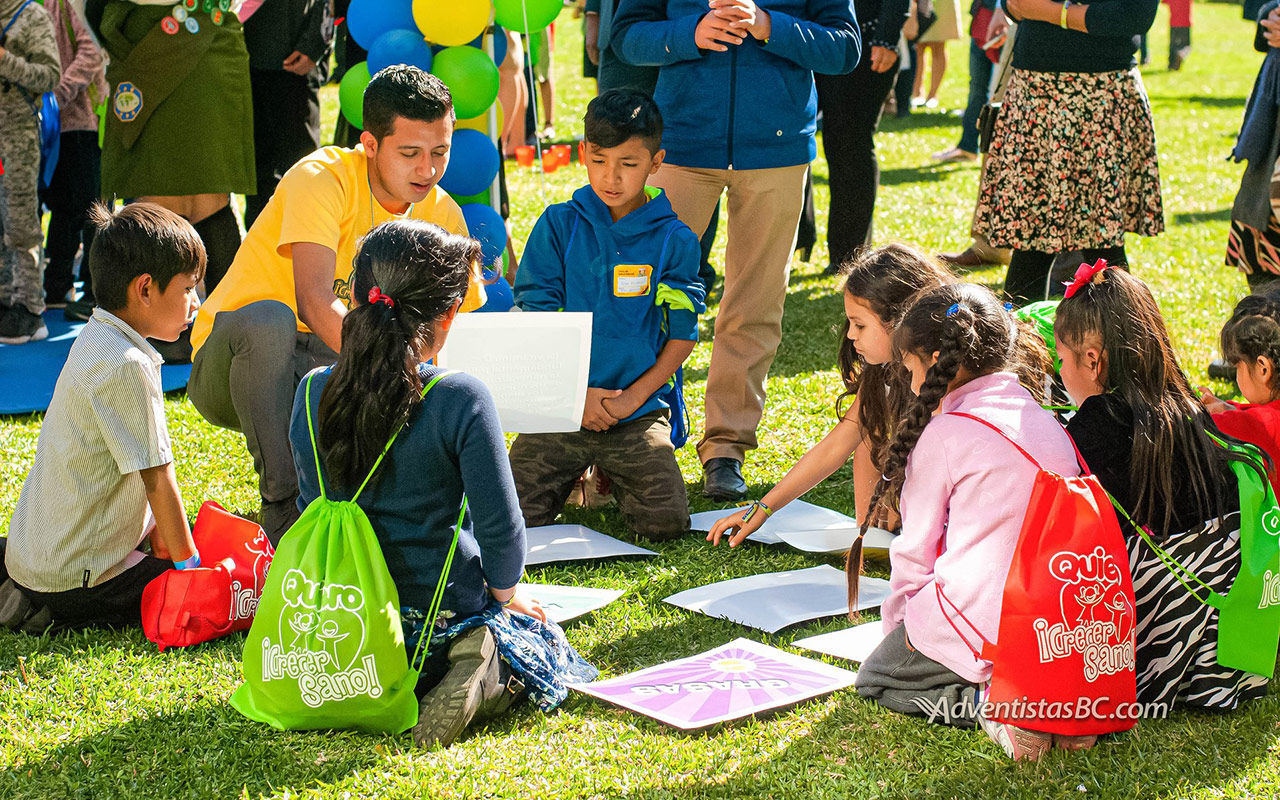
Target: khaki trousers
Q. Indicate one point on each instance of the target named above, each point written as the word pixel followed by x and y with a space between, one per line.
pixel 764 212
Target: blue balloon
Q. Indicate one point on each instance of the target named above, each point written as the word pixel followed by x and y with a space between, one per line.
pixel 473 164
pixel 498 293
pixel 486 225
pixel 399 47
pixel 499 44
pixel 369 19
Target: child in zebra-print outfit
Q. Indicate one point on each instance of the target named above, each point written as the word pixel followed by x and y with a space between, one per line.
pixel 1251 344
pixel 1143 432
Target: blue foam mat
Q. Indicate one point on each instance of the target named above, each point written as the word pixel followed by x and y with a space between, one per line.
pixel 28 372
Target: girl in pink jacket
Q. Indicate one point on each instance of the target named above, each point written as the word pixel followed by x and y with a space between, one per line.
pixel 963 493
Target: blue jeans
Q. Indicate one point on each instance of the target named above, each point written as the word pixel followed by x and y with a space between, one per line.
pixel 980 70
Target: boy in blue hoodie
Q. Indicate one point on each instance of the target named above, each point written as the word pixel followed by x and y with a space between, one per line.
pixel 617 250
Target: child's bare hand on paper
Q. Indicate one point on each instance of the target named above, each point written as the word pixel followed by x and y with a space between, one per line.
pixel 735 527
pixel 595 417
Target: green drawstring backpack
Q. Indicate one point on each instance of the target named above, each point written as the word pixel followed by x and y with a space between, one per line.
pixel 1249 613
pixel 326 649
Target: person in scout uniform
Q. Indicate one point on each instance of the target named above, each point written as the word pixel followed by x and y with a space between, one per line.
pixel 179 121
pixel 279 312
pixel 29 67
pixel 288 43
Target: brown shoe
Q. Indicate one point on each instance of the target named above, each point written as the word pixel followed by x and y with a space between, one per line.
pixel 968 258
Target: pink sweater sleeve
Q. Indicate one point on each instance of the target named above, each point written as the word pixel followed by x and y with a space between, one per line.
pixel 925 507
pixel 84 68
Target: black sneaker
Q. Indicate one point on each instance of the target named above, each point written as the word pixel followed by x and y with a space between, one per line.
pixel 1220 369
pixel 722 479
pixel 473 679
pixel 19 326
pixel 78 311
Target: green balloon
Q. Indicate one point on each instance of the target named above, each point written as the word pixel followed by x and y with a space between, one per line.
pixel 351 93
pixel 471 76
pixel 510 14
pixel 462 200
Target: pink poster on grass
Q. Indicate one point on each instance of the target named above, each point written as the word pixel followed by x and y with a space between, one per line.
pixel 732 681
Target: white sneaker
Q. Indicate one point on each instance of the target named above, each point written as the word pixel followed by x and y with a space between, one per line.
pixel 1020 744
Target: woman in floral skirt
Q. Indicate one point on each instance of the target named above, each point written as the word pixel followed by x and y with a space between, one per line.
pixel 1072 164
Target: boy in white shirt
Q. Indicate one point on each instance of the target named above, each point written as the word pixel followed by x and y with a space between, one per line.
pixel 103 457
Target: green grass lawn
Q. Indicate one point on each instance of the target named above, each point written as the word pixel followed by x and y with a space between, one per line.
pixel 99 715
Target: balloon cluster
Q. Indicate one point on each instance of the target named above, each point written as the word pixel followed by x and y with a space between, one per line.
pixel 447 40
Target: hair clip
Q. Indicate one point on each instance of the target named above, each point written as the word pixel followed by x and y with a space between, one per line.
pixel 1008 307
pixel 955 309
pixel 1084 275
pixel 376 296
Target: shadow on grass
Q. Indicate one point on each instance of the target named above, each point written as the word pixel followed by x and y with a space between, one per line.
pixel 1210 101
pixel 198 752
pixel 862 750
pixel 1197 217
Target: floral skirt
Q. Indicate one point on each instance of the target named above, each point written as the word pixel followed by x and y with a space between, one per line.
pixel 537 652
pixel 1072 164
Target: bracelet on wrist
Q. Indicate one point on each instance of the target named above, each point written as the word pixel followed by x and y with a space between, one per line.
pixel 190 563
pixel 755 507
pixel 1063 19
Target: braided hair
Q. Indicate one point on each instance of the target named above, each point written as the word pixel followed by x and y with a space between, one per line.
pixel 885 279
pixel 1253 332
pixel 973 335
pixel 411 273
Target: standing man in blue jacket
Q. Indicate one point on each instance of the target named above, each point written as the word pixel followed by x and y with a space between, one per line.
pixel 737 95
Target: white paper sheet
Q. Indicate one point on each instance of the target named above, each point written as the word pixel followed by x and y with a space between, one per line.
pixel 535 365
pixel 563 603
pixel 776 600
pixel 551 543
pixel 853 644
pixel 804 526
pixel 836 540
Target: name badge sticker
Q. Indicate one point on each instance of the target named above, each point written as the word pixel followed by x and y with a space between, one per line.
pixel 631 280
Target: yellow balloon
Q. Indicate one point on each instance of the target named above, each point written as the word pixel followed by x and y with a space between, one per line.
pixel 481 123
pixel 451 24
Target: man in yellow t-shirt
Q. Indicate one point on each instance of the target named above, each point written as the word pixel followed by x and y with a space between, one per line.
pixel 277 314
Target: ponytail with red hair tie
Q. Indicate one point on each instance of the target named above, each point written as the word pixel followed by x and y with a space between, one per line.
pixel 1084 275
pixel 376 296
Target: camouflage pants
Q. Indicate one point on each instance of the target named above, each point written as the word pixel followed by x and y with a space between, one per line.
pixel 637 456
pixel 21 266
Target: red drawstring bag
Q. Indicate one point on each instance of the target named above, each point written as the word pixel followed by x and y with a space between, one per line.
pixel 1063 661
pixel 190 606
pixel 185 607
pixel 221 535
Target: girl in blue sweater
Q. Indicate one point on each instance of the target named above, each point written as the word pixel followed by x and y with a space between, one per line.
pixel 490 643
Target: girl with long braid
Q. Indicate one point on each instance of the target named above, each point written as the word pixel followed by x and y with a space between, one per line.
pixel 963 493
pixel 878 285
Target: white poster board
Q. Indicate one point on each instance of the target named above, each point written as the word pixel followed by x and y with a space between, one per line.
pixel 564 603
pixel 804 526
pixel 853 644
pixel 535 365
pixel 548 544
pixel 776 600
